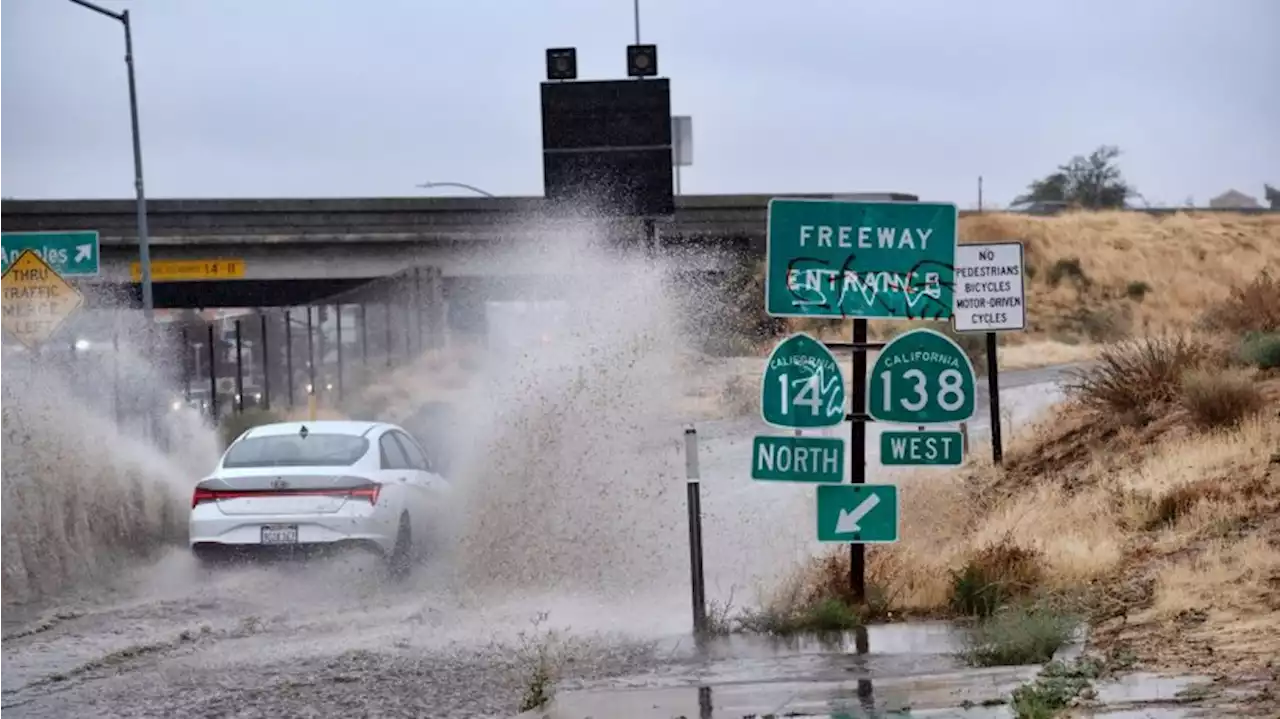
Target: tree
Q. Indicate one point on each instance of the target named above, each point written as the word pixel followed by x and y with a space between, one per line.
pixel 1092 182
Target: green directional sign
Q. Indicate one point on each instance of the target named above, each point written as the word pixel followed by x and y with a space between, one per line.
pixel 921 448
pixel 921 377
pixel 797 459
pixel 802 385
pixel 70 254
pixel 836 258
pixel 858 513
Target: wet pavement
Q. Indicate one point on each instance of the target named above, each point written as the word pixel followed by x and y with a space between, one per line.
pixel 901 670
pixel 331 640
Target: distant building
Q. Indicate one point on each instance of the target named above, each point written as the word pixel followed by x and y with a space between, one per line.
pixel 1234 199
pixel 1273 196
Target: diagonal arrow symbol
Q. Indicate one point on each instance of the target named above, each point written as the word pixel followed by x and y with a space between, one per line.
pixel 848 520
pixel 83 252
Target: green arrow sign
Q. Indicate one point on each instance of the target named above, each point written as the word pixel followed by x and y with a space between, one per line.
pixel 70 254
pixel 921 377
pixel 921 448
pixel 802 385
pixel 797 459
pixel 835 258
pixel 858 513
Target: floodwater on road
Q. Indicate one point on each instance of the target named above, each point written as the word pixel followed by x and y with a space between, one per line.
pixel 336 638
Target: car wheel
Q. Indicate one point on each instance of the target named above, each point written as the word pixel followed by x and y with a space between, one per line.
pixel 402 554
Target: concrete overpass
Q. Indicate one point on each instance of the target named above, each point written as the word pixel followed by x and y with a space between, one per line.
pixel 297 250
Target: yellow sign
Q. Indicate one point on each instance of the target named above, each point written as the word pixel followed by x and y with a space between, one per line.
pixel 179 270
pixel 36 300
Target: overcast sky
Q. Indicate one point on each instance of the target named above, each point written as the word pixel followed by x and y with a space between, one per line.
pixel 263 98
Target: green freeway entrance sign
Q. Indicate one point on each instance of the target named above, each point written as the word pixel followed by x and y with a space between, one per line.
pixel 798 459
pixel 916 448
pixel 70 254
pixel 834 258
pixel 921 377
pixel 858 513
pixel 802 385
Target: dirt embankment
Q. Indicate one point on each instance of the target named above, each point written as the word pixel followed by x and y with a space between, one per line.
pixel 1150 500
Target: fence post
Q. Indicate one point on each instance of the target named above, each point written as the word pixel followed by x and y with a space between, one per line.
pixel 266 364
pixel 213 374
pixel 239 372
pixel 288 355
pixel 338 316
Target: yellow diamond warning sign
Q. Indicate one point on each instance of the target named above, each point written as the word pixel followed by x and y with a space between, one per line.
pixel 36 300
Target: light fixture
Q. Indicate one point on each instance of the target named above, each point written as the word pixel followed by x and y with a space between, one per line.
pixel 642 60
pixel 82 345
pixel 562 63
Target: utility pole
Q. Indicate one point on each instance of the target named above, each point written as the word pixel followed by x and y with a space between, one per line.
pixel 144 245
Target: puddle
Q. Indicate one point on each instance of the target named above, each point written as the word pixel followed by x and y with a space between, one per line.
pixel 894 670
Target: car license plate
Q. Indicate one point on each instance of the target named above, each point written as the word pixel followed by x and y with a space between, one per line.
pixel 280 534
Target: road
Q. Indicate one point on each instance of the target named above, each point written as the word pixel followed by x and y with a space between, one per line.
pixel 336 639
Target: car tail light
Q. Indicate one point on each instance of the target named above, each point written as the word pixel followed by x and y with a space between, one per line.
pixel 202 495
pixel 368 492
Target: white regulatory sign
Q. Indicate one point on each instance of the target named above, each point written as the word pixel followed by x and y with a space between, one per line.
pixel 990 292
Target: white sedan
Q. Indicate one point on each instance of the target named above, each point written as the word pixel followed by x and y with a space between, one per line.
pixel 295 487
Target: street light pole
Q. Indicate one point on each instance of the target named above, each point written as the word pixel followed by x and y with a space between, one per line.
pixel 144 244
pixel 463 185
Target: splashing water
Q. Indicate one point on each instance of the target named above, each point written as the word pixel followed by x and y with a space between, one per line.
pixel 562 485
pixel 91 477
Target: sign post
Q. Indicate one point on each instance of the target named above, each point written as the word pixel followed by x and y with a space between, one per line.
pixel 990 297
pixel 859 260
pixel 36 300
pixel 69 254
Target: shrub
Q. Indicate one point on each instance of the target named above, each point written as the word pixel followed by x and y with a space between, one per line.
pixel 1220 398
pixel 1136 377
pixel 1137 290
pixel 1255 307
pixel 997 575
pixel 1260 349
pixel 826 615
pixel 1023 634
pixel 1067 268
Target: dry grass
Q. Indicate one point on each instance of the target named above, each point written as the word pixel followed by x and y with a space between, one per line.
pixel 1169 532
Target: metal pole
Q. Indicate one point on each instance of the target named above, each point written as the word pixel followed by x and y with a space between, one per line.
pixel 144 245
pixel 338 312
pixel 858 452
pixel 311 356
pixel 266 364
pixel 188 364
pixel 288 355
pixel 213 376
pixel 144 239
pixel 115 369
pixel 364 335
pixel 993 392
pixel 694 497
pixel 636 5
pixel 388 333
pixel 979 193
pixel 239 372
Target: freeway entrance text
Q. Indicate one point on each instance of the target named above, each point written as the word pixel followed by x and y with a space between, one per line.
pixel 831 258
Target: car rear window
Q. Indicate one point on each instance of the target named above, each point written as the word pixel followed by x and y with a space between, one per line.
pixel 291 450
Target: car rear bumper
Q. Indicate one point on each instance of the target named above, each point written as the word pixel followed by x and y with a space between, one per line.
pixel 209 529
